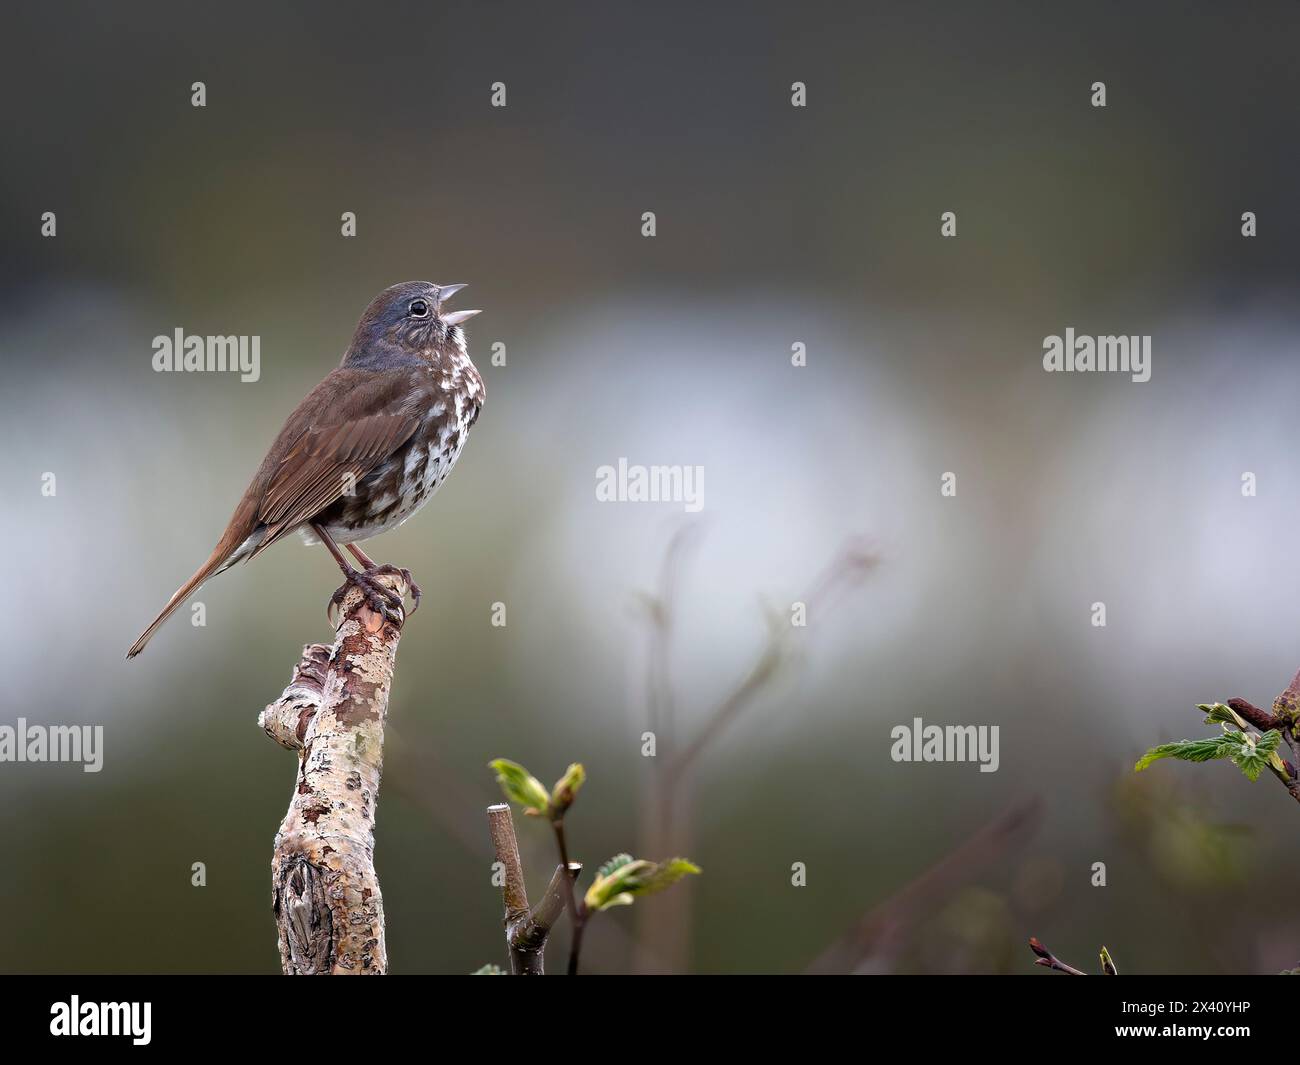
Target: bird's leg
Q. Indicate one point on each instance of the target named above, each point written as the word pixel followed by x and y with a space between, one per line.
pixel 381 599
pixel 373 567
pixel 360 556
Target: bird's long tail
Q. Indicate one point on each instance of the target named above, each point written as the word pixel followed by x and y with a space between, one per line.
pixel 222 558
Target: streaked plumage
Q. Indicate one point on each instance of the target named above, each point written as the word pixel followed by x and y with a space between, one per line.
pixel 369 445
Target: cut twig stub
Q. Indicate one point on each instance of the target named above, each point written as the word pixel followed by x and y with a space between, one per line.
pixel 527 927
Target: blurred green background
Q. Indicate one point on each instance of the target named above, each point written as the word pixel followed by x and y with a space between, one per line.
pixel 775 225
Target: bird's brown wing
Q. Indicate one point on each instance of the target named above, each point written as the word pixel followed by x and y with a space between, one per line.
pixel 348 424
pixel 323 463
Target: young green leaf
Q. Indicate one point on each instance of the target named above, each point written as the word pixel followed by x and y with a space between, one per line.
pixel 616 862
pixel 1222 714
pixel 1253 757
pixel 519 785
pixel 1193 750
pixel 489 970
pixel 623 878
pixel 1107 964
pixel 666 874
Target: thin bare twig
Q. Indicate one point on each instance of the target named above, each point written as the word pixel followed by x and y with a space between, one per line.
pixel 577 912
pixel 1050 961
pixel 849 567
pixel 873 943
pixel 666 815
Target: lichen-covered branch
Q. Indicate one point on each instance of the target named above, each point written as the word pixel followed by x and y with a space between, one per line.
pixel 325 894
pixel 527 928
pixel 286 719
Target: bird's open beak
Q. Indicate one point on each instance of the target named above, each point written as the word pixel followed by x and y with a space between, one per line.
pixel 456 317
pixel 445 292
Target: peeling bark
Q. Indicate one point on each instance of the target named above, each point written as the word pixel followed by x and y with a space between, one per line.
pixel 286 719
pixel 325 894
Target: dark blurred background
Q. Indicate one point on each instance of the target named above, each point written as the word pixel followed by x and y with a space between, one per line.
pixel 776 225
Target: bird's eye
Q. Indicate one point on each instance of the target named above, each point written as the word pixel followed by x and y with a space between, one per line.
pixel 419 309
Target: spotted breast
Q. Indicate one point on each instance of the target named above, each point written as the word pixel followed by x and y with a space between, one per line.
pixel 408 478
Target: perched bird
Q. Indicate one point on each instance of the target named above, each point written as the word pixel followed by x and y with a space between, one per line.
pixel 365 450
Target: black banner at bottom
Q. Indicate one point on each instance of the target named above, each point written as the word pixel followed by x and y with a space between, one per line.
pixel 146 1013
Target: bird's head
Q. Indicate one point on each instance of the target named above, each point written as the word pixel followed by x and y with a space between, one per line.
pixel 411 317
